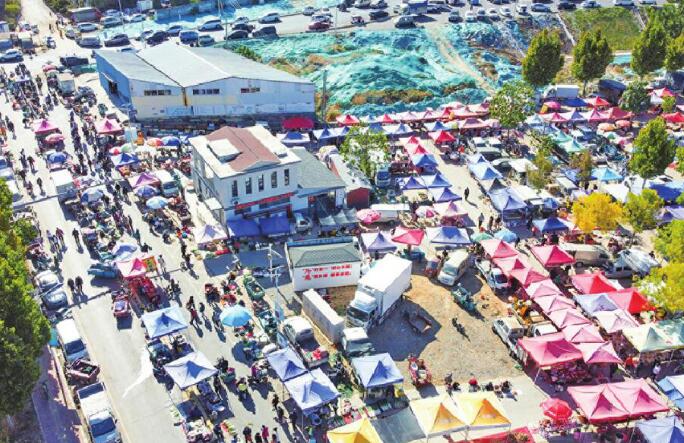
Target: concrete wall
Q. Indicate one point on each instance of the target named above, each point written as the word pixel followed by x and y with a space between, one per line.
pixel 202 7
pixel 108 71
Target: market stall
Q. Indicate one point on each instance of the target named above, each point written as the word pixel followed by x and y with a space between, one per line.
pixel 662 430
pixel 164 322
pixel 286 364
pixel 359 431
pixel 312 392
pixel 437 416
pixel 377 374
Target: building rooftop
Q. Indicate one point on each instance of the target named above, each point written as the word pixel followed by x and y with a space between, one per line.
pixel 350 176
pixel 132 67
pixel 185 66
pixel 305 253
pixel 315 176
pixel 231 151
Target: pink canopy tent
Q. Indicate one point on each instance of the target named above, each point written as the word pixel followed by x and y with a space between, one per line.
pixel 415 149
pixel 550 349
pixel 472 123
pixel 639 398
pixel 554 118
pixel 596 102
pixel 407 117
pixel 553 105
pixel 496 248
pixel 465 112
pixel 368 216
pixel 595 283
pixel 480 108
pixel 599 352
pixel 551 303
pixel 551 255
pixel 527 276
pixel 582 334
pixel 675 117
pixel 411 237
pixel 449 210
pixel 509 264
pixel 430 115
pixel 598 403
pixel 594 116
pixel 445 114
pixel 568 317
pixel 615 321
pixel 347 120
pixel 542 288
pixel 663 92
pixel 413 140
pixel 43 126
pixel 108 126
pixel 630 300
pixel 132 268
pixel 442 137
pixel 616 113
pixel 146 178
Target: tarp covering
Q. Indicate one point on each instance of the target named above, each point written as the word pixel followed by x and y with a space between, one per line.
pixel 551 255
pixel 647 338
pixel 615 321
pixel 662 430
pixel 243 228
pixel 568 317
pixel 437 415
pixel 359 431
pixel 444 195
pixel 601 352
pixel 673 387
pixel 481 410
pixel 286 364
pixel 504 201
pixel 209 233
pixel 375 371
pixel 275 225
pixel 311 390
pixel 542 289
pixel 189 370
pixel 592 303
pixel 164 321
pixel 483 171
pixel 448 236
pixel 592 283
pixel 550 349
pixel 377 242
pixel 552 224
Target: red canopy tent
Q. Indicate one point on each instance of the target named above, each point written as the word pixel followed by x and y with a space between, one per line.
pixel 594 116
pixel 442 137
pixel 596 102
pixel 613 402
pixel 347 120
pixel 385 119
pixel 542 288
pixel 472 123
pixel 616 113
pixel 44 126
pixel 568 317
pixel 592 283
pixel 600 352
pixel 551 303
pixel 582 334
pixel 527 276
pixel 550 349
pixel 551 255
pixel 639 398
pixel 662 92
pixel 298 123
pixel 509 264
pixel 407 117
pixel 413 140
pixel 445 114
pixel 675 117
pixel 553 105
pixel 413 149
pixel 108 126
pixel 554 118
pixel 496 248
pixel 411 237
pixel 630 300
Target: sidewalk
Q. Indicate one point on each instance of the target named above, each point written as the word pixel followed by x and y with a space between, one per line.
pixel 59 423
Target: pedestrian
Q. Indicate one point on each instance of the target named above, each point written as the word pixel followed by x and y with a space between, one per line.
pixel 79 284
pixel 247 433
pixel 162 263
pixel 77 237
pixel 242 388
pixel 130 222
pixel 186 257
pixel 194 318
pixel 274 436
pixel 31 163
pixel 258 438
pixel 265 433
pixel 280 413
pixel 480 220
pixel 293 418
pixel 191 302
pixel 60 236
pixel 275 401
pixel 202 308
pixel 466 193
pixel 656 370
pixel 39 182
pixel 136 235
pixel 183 249
pixel 71 285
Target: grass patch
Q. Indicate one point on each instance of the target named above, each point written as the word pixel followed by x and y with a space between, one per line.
pixel 617 24
pixel 390 96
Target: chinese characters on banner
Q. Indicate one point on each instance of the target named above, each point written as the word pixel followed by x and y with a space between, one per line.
pixel 327 271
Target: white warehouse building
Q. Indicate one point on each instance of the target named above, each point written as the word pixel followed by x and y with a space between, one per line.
pixel 170 81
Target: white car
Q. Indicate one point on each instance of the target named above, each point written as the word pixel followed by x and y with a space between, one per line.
pixel 110 20
pixel 506 12
pixel 647 2
pixel 522 9
pixel 86 27
pixel 240 21
pixel 135 18
pixel 590 4
pixel 470 16
pixel 625 3
pixel 309 10
pixel 492 14
pixel 271 17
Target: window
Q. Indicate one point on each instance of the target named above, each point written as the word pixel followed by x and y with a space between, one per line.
pixel 155 92
pixel 234 189
pixel 248 185
pixel 260 182
pixel 249 90
pixel 274 180
pixel 205 92
pixel 287 177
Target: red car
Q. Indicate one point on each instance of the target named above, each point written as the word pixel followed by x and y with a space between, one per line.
pixel 319 26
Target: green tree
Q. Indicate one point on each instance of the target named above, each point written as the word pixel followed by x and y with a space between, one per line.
pixel 653 151
pixel 584 163
pixel 19 372
pixel 666 286
pixel 671 16
pixel 635 98
pixel 367 150
pixel 596 211
pixel 512 103
pixel 247 52
pixel 674 54
pixel 641 211
pixel 590 57
pixel 669 241
pixel 538 178
pixel 668 104
pixel 648 53
pixel 544 59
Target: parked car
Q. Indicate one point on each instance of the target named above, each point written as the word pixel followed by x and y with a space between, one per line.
pixel 454 17
pixel 481 15
pixel 144 35
pixel 590 4
pixel 309 10
pixel 86 27
pixel 506 12
pixel 117 40
pixel 436 6
pixel 90 42
pixel 647 2
pixel 174 30
pixel 362 4
pixel 405 21
pixel 70 61
pixel 470 16
pixel 71 32
pixel 522 9
pixel 237 34
pixel 624 3
pixel 111 21
pixel 49 42
pixel 271 17
pixel 509 331
pixel 188 36
pixel 156 38
pixel 540 7
pixel 205 40
pixel 211 25
pixel 378 4
pixel 566 5
pixel 265 31
pixel 243 27
pixel 11 55
pixel 135 18
pixel 378 14
pixel 319 26
pixel 492 14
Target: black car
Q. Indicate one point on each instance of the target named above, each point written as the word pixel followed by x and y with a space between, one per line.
pixel 566 5
pixel 71 61
pixel 378 14
pixel 265 31
pixel 238 34
pixel 157 37
pixel 117 40
pixel 243 27
pixel 84 92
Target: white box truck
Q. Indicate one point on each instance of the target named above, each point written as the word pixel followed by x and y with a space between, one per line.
pixel 98 414
pixel 378 291
pixel 64 184
pixel 323 315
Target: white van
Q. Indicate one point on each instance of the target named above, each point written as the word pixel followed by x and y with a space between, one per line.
pixel 455 267
pixel 70 340
pixel 270 17
pixel 587 255
pixel 168 185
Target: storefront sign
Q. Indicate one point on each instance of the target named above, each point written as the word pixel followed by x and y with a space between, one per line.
pixel 336 271
pixel 263 201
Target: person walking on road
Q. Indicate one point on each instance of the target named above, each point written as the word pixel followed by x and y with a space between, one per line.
pixel 60 236
pixel 191 302
pixel 265 433
pixel 39 182
pixel 247 434
pixel 162 263
pixel 466 193
pixel 77 237
pixel 71 285
pixel 79 284
pixel 275 401
pixel 480 220
pixel 194 317
pixel 32 164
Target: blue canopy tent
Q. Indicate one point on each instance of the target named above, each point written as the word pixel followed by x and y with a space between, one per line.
pixel 124 159
pixel 551 224
pixel 574 116
pixel 191 369
pixel 376 127
pixel 377 242
pixel 342 131
pixel 376 371
pixel 668 191
pixel 448 236
pixel 673 387
pixel 435 181
pixel 294 138
pixel 410 183
pixel 670 213
pixel 164 321
pixel 483 171
pixel 286 364
pixel 591 303
pixel 662 430
pixel 571 174
pixel 476 158
pixel 242 227
pixel 426 161
pixel 504 201
pixel 324 135
pixel 400 130
pixel 171 140
pixel 57 157
pixel 575 103
pixel 275 225
pixel 312 390
pixel 436 126
pixel 506 235
pixel 551 203
pixel 604 174
pixel 444 195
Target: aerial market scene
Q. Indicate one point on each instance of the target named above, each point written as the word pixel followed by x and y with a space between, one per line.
pixel 344 221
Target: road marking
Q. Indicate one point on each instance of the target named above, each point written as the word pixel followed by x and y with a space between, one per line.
pixel 145 372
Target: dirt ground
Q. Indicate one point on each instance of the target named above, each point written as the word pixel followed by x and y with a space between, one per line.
pixel 25 429
pixel 479 353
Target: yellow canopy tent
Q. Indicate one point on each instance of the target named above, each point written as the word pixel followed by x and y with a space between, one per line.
pixel 359 431
pixel 481 410
pixel 437 416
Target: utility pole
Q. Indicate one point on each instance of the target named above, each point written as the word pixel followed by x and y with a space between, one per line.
pixel 274 274
pixel 324 98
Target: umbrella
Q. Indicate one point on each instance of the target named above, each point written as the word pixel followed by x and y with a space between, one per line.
pixel 171 140
pixel 146 191
pixel 57 157
pixel 54 138
pixel 91 195
pixel 235 316
pixel 556 409
pixel 506 235
pixel 368 216
pixel 552 105
pixel 157 203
